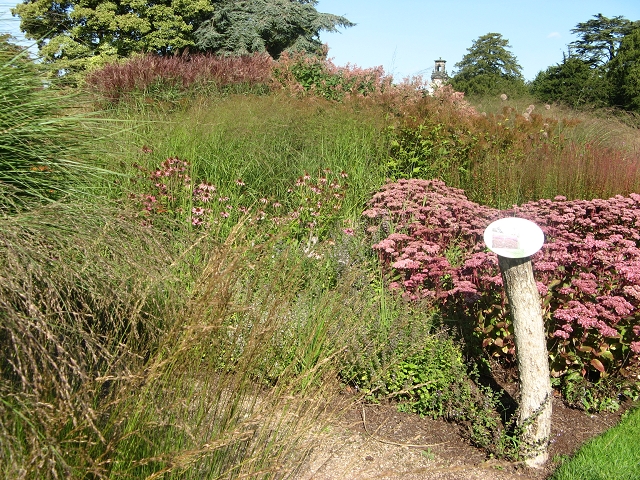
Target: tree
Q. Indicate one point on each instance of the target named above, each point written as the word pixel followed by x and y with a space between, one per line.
pixel 624 73
pixel 74 34
pixel 572 82
pixel 271 26
pixel 489 68
pixel 599 38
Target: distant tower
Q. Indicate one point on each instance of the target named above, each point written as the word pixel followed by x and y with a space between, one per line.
pixel 439 75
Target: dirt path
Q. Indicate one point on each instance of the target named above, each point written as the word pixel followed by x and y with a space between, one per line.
pixel 378 442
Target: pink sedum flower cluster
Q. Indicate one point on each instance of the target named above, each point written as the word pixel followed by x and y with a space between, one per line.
pixel 588 271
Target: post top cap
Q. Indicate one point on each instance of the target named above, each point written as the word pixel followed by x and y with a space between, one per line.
pixel 513 237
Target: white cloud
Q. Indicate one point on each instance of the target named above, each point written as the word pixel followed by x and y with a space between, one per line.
pixel 554 35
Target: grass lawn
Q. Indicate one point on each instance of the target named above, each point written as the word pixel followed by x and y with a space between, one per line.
pixel 615 455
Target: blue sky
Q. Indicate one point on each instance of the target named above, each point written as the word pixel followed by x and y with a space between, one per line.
pixel 406 36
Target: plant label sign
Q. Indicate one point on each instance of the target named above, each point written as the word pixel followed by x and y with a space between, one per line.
pixel 513 237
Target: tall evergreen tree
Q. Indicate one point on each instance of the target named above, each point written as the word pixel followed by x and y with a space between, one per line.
pixel 489 68
pixel 271 26
pixel 599 38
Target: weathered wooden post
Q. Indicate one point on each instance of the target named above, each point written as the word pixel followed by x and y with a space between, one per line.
pixel 514 240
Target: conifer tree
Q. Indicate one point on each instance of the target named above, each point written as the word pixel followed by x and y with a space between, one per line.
pixel 489 68
pixel 272 26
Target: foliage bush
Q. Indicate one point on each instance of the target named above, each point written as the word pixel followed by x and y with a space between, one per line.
pixel 405 358
pixel 303 73
pixel 430 240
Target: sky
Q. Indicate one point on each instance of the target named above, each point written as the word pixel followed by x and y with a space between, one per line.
pixel 405 37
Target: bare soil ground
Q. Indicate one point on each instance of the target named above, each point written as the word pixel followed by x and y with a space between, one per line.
pixel 378 442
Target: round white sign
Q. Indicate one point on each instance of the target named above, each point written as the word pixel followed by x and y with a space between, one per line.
pixel 513 237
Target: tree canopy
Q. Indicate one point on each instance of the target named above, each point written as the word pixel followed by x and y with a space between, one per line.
pixel 573 82
pixel 73 35
pixel 602 68
pixel 599 38
pixel 624 73
pixel 489 68
pixel 271 26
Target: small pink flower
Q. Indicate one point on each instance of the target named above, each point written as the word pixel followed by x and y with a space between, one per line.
pixel 224 214
pixel 348 231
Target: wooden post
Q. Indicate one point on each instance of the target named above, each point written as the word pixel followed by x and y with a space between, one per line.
pixel 532 356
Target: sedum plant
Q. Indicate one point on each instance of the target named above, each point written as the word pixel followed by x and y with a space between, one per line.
pixel 430 241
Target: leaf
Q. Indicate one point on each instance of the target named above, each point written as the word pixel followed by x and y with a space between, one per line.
pixel 606 354
pixel 597 364
pixel 554 283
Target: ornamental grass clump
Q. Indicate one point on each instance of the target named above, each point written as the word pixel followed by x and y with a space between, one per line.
pixel 429 238
pixel 506 158
pixel 43 135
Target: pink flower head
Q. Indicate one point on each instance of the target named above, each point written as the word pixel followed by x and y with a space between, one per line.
pixel 561 334
pixel 406 263
pixel 348 231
